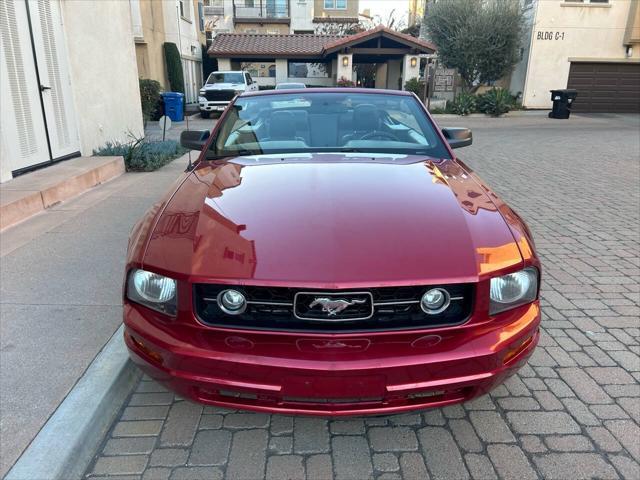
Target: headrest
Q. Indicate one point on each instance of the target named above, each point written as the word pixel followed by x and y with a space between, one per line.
pixel 282 125
pixel 365 118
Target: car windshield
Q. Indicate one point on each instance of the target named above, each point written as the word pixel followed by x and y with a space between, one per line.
pixel 289 86
pixel 217 77
pixel 308 122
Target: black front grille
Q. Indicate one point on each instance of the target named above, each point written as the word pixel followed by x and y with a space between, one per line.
pixel 219 95
pixel 282 308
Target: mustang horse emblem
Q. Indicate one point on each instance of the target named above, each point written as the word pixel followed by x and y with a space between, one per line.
pixel 333 307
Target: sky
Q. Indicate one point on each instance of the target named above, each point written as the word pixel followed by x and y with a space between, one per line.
pixel 385 7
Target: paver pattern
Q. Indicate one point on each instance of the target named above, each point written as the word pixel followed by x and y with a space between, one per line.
pixel 572 412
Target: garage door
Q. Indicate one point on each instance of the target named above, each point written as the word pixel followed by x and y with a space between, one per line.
pixel 606 87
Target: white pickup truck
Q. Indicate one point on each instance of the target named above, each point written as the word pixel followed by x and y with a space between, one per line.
pixel 220 88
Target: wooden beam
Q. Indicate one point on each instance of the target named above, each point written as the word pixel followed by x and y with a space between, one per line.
pixel 380 51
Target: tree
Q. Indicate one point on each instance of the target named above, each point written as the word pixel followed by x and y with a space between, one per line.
pixel 481 38
pixel 174 67
pixel 413 30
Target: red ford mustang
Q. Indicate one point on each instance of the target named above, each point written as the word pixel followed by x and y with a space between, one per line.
pixel 328 254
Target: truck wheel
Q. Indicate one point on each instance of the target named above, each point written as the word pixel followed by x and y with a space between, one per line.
pixel 204 114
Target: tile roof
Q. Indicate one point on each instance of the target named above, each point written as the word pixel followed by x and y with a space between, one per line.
pixel 380 29
pixel 309 45
pixel 230 44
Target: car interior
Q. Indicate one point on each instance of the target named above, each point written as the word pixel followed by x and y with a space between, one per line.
pixel 317 123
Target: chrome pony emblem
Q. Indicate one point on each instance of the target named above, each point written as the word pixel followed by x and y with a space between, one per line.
pixel 333 307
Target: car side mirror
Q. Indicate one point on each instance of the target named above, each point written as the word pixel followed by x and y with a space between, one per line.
pixel 194 139
pixel 458 137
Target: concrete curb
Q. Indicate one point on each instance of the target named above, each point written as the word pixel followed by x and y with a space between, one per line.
pixel 27 195
pixel 65 445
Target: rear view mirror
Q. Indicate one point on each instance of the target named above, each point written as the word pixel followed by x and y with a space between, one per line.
pixel 194 139
pixel 458 137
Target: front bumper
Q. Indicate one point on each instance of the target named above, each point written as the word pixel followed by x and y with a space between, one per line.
pixel 331 374
pixel 213 106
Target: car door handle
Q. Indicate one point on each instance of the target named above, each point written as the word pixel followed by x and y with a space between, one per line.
pixel 43 88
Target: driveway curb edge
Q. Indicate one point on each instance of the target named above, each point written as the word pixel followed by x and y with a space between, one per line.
pixel 67 442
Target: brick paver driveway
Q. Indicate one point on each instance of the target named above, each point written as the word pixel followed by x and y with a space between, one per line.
pixel 572 412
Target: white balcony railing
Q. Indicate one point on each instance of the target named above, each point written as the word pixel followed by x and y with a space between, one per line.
pixel 214 7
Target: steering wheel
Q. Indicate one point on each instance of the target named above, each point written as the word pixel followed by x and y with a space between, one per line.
pixel 379 135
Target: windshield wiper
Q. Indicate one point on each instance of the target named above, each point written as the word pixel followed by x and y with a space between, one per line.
pixel 237 153
pixel 351 150
pixel 244 152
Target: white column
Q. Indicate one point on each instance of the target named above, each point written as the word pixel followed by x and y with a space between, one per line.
pixel 224 64
pixel 410 68
pixel 282 70
pixel 345 66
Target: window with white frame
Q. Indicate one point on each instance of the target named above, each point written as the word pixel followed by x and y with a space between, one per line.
pixel 335 4
pixel 214 7
pixel 201 16
pixel 136 20
pixel 185 12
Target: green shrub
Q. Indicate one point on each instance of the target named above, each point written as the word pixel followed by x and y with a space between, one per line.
pixel 174 67
pixel 149 98
pixel 496 102
pixel 464 104
pixel 437 111
pixel 413 85
pixel 141 156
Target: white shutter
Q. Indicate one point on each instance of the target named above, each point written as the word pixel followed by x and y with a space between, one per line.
pixel 53 69
pixel 23 132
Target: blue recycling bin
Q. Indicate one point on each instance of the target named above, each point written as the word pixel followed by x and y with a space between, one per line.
pixel 174 105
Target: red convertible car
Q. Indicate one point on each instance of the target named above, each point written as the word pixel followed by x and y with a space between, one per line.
pixel 328 254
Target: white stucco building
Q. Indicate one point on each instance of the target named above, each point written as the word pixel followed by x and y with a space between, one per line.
pixel 592 46
pixel 277 16
pixel 69 81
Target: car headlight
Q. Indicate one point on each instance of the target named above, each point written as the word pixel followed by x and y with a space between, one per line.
pixel 152 290
pixel 513 290
pixel 202 99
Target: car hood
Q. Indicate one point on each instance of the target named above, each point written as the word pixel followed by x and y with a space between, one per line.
pixel 331 221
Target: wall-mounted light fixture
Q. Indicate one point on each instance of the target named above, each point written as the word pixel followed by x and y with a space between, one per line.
pixel 414 62
pixel 345 61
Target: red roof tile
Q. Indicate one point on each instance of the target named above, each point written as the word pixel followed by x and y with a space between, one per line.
pixel 380 29
pixel 301 45
pixel 230 44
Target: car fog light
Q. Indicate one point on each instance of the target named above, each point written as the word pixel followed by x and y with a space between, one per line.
pixel 232 302
pixel 435 301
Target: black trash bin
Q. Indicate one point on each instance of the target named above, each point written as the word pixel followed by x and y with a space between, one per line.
pixel 562 101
